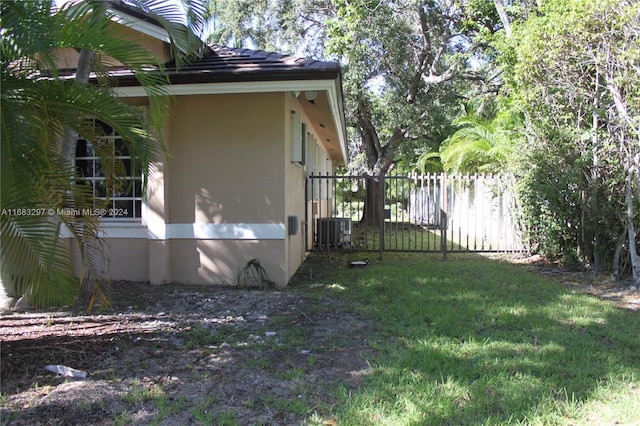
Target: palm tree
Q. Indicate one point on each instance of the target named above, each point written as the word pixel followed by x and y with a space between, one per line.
pixel 42 107
pixel 483 142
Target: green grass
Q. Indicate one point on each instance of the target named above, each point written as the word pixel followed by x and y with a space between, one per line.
pixel 472 341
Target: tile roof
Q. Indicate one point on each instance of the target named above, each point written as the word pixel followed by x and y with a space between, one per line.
pixel 226 64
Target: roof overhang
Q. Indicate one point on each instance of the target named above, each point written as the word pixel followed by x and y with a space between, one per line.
pixel 332 88
pixel 137 23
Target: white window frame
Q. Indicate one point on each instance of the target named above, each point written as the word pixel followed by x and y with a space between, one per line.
pixel 120 207
pixel 296 138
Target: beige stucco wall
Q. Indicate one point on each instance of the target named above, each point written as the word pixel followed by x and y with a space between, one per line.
pixel 226 168
pixel 227 175
pixel 67 58
pixel 218 261
pixel 295 195
pixel 128 259
pixel 118 259
pixel 227 152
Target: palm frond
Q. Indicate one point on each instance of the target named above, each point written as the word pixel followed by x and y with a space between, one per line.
pixel 39 103
pixel 480 144
pixel 185 23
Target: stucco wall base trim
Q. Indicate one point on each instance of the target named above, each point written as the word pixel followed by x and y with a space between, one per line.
pixel 193 231
pixel 224 231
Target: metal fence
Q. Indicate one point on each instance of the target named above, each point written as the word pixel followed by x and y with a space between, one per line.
pixel 422 213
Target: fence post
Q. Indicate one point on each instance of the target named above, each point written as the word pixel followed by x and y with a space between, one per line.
pixel 443 234
pixel 444 209
pixel 381 214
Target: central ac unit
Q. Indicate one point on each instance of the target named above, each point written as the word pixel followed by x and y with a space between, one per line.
pixel 333 232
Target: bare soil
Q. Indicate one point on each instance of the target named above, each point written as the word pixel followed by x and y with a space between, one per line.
pixel 621 292
pixel 180 355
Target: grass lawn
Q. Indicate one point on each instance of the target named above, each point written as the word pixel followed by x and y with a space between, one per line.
pixel 473 341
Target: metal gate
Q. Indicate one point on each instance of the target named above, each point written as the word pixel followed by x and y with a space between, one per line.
pixel 420 213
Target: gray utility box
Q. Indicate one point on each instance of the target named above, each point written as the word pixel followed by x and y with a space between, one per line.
pixel 333 232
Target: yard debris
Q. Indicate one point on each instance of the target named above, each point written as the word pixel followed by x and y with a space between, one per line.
pixel 23 305
pixel 63 370
pixel 305 315
pixel 359 263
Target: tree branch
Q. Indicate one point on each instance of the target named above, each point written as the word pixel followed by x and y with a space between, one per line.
pixel 504 17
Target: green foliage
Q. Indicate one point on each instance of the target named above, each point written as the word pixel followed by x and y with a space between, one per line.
pixel 554 190
pixel 562 68
pixel 483 142
pixel 254 275
pixel 39 104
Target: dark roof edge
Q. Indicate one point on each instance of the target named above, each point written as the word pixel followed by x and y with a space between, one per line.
pixel 133 11
pixel 129 80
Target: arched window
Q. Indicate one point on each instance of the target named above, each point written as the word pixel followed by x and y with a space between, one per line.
pixel 124 202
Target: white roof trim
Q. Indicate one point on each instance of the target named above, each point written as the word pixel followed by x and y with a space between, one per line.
pixel 231 87
pixel 140 25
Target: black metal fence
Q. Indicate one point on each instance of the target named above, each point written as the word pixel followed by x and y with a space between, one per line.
pixel 420 213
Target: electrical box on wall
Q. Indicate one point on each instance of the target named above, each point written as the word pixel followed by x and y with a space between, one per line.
pixel 293 225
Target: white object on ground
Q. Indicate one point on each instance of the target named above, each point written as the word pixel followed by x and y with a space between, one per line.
pixel 63 370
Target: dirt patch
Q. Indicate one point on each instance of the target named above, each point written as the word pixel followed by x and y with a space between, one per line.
pixel 183 355
pixel 621 292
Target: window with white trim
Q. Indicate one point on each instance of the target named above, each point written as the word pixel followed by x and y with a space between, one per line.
pixel 296 138
pixel 310 154
pixel 124 202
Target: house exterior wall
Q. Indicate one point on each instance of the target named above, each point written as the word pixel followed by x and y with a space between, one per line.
pixel 226 159
pixel 294 193
pixel 67 58
pixel 226 191
pixel 220 196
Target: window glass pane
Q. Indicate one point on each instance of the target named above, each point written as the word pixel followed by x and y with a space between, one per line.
pixel 127 188
pixel 126 165
pixel 120 190
pixel 123 208
pixel 84 168
pixel 137 187
pixel 97 169
pixel 81 148
pixel 120 148
pixel 100 188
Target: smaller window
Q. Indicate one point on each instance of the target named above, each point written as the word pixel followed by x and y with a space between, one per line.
pixel 296 138
pixel 310 154
pixel 303 143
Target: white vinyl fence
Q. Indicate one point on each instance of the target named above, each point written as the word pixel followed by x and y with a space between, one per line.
pixel 480 210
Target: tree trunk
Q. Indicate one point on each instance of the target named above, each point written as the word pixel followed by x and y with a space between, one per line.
pixel 70 136
pixel 633 253
pixel 372 212
pixel 504 17
pixel 379 161
pixel 616 272
pixel 594 242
